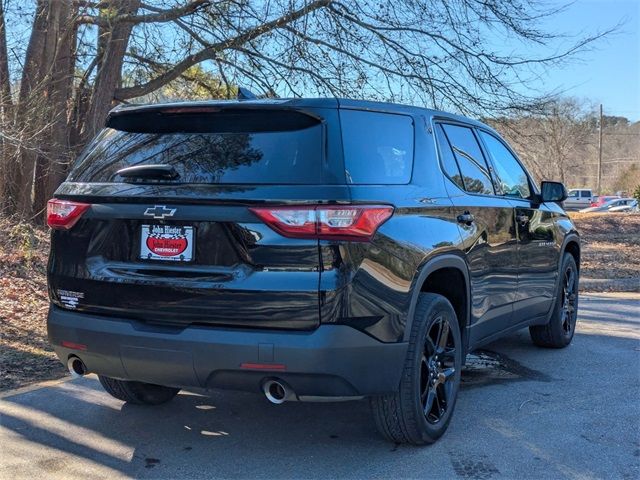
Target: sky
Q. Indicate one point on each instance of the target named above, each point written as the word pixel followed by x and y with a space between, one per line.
pixel 609 73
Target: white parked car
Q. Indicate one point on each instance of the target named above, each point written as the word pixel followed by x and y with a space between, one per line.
pixel 619 204
pixel 629 207
pixel 579 198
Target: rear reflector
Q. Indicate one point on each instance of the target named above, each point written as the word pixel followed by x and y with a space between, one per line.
pixel 274 367
pixel 73 345
pixel 335 222
pixel 62 214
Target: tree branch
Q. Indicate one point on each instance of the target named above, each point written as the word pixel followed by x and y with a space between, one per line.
pixel 210 53
pixel 160 16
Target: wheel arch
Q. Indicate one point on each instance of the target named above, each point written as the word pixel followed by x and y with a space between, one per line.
pixel 436 268
pixel 571 244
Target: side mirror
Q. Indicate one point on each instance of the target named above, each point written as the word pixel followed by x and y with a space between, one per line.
pixel 553 192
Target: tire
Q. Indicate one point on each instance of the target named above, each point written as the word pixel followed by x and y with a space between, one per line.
pixel 558 333
pixel 137 392
pixel 400 417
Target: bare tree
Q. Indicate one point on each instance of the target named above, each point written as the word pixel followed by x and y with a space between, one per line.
pixel 620 155
pixel 5 82
pixel 561 144
pixel 5 104
pixel 84 56
pixel 628 179
pixel 555 143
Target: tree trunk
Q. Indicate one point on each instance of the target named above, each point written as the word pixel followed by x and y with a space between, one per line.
pixel 61 90
pixel 5 81
pixel 42 107
pixel 5 115
pixel 109 73
pixel 21 185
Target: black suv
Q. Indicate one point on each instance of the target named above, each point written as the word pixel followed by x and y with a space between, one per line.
pixel 312 249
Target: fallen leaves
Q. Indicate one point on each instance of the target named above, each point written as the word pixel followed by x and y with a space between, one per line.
pixel 25 354
pixel 610 250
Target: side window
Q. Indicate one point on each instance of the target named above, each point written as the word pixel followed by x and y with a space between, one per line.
pixel 574 194
pixel 511 175
pixel 586 193
pixel 473 167
pixel 378 147
pixel 449 163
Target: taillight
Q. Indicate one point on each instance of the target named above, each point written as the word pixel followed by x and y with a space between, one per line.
pixel 335 222
pixel 62 214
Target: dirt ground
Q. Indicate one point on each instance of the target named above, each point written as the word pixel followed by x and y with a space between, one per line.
pixel 610 262
pixel 25 355
pixel 610 251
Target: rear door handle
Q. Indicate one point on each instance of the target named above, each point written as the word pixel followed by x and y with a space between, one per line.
pixel 466 218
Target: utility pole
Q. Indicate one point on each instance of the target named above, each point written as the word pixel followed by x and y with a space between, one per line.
pixel 600 153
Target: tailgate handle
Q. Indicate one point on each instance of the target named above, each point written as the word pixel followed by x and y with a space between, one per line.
pixel 149 171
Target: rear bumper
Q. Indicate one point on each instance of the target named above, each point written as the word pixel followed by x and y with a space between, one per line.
pixel 331 361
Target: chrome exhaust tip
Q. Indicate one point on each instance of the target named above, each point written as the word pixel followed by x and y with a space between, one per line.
pixel 76 367
pixel 277 392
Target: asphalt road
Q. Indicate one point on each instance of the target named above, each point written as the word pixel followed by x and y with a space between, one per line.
pixel 523 412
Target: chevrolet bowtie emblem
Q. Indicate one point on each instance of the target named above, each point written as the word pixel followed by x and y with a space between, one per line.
pixel 159 211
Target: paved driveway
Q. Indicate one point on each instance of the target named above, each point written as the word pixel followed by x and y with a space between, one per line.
pixel 523 412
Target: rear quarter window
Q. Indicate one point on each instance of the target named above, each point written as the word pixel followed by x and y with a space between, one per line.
pixel 378 147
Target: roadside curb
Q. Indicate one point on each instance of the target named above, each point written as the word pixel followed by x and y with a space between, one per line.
pixel 33 387
pixel 631 285
pixel 613 295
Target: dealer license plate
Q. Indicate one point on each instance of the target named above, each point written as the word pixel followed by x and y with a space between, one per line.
pixel 166 242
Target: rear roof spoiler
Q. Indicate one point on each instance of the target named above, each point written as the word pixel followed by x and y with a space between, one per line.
pixel 228 118
pixel 214 106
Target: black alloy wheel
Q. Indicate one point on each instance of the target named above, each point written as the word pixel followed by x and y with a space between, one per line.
pixel 437 370
pixel 420 410
pixel 559 330
pixel 569 312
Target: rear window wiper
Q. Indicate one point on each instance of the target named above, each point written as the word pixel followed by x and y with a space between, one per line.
pixel 158 172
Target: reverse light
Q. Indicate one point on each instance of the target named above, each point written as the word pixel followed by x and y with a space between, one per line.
pixel 335 222
pixel 63 214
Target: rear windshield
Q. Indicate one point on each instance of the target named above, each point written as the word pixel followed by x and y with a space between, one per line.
pixel 263 147
pixel 378 147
